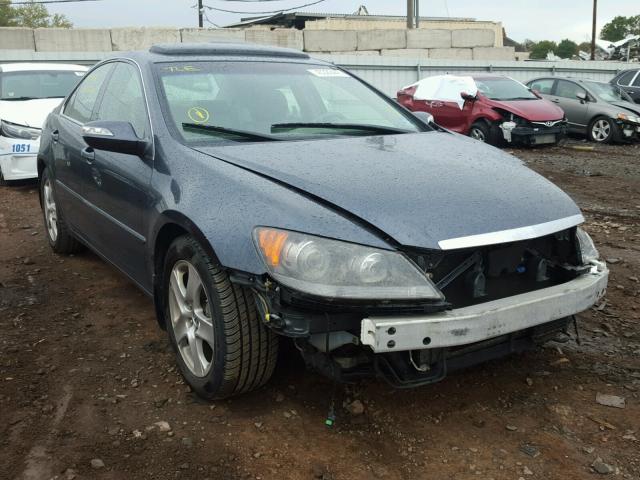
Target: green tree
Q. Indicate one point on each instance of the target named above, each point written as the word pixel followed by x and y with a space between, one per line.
pixel 567 49
pixel 540 49
pixel 36 15
pixel 620 27
pixel 585 46
pixel 7 14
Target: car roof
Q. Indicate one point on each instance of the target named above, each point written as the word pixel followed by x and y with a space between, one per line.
pixel 31 67
pixel 168 52
pixel 571 79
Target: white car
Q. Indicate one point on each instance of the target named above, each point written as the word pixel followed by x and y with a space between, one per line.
pixel 28 92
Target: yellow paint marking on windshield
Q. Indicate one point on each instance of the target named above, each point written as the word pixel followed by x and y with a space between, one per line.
pixel 198 114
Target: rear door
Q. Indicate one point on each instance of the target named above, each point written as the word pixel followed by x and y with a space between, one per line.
pixel 70 168
pixel 117 187
pixel 629 81
pixel 634 88
pixel 577 110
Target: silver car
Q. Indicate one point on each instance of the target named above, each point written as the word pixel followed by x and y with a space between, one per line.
pixel 603 112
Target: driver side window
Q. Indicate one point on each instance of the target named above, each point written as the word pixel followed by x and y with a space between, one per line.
pixel 81 104
pixel 569 90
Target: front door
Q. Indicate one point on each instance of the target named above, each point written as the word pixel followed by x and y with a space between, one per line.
pixel 70 167
pixel 576 109
pixel 117 184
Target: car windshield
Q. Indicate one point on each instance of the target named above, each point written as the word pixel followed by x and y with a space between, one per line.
pixel 607 92
pixel 31 85
pixel 504 89
pixel 263 101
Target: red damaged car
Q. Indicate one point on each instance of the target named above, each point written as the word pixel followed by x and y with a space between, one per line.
pixel 491 108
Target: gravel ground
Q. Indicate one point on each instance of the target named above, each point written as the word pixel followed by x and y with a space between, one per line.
pixel 88 386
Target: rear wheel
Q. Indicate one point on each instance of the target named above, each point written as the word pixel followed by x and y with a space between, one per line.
pixel 222 347
pixel 602 130
pixel 58 234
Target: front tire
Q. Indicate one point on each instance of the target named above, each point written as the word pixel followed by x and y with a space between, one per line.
pixel 602 130
pixel 60 237
pixel 480 131
pixel 222 347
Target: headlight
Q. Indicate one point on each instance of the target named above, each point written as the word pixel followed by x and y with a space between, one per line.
pixel 588 250
pixel 331 268
pixel 628 118
pixel 12 130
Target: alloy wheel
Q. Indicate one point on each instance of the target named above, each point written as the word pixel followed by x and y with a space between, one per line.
pixel 477 134
pixel 601 130
pixel 191 320
pixel 50 211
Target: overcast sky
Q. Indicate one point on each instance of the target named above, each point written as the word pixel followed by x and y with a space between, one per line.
pixel 537 20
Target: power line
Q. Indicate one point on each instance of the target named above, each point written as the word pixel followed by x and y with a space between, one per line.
pixel 51 1
pixel 271 11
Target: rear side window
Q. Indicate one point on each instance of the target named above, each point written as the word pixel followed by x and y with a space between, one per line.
pixel 544 85
pixel 81 104
pixel 626 77
pixel 569 89
pixel 123 100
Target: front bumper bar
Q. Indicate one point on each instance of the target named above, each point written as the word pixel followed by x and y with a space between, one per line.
pixel 480 322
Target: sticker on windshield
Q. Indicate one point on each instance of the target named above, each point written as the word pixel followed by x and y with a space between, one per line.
pixel 79 74
pixel 181 68
pixel 327 72
pixel 198 114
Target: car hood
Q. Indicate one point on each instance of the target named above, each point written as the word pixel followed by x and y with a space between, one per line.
pixel 419 189
pixel 539 110
pixel 632 107
pixel 30 113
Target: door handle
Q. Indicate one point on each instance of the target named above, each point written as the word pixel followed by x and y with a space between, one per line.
pixel 55 136
pixel 555 100
pixel 88 154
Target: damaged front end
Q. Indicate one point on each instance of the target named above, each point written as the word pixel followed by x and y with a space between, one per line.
pixel 491 300
pixel 520 131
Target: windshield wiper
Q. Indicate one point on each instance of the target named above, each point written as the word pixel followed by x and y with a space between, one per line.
pixel 231 131
pixel 342 126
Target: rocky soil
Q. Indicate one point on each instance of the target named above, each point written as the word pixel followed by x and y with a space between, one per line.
pixel 88 386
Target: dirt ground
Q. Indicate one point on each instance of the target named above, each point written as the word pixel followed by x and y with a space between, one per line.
pixel 85 374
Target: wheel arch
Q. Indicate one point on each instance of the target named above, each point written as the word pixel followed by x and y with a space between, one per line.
pixel 172 225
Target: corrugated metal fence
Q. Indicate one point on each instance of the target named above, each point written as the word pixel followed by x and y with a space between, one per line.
pixel 389 74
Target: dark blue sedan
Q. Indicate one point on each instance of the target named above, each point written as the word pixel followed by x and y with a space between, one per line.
pixel 256 193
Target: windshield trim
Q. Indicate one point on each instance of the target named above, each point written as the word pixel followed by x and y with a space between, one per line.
pixel 175 133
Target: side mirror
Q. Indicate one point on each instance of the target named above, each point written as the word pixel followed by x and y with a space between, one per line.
pixel 119 137
pixel 466 96
pixel 535 92
pixel 582 96
pixel 424 117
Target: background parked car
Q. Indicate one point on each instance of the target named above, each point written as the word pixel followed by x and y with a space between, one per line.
pixel 28 92
pixel 489 108
pixel 602 111
pixel 629 81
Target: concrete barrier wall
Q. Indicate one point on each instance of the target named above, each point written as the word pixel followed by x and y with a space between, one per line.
pixel 391 70
pixel 440 43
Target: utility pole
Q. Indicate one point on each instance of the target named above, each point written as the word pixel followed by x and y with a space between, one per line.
pixel 417 13
pixel 411 10
pixel 593 30
pixel 200 11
